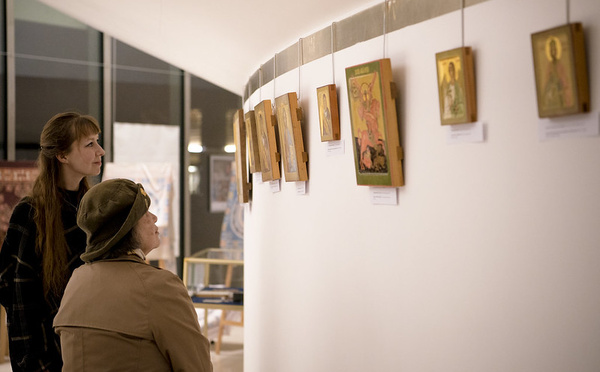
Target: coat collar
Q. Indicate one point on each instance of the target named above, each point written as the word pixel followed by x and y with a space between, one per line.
pixel 129 257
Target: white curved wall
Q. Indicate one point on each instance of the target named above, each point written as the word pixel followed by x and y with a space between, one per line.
pixel 489 262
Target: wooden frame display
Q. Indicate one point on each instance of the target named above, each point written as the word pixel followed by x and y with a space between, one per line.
pixel 267 141
pixel 456 86
pixel 560 66
pixel 371 97
pixel 252 142
pixel 329 121
pixel 241 173
pixel 291 142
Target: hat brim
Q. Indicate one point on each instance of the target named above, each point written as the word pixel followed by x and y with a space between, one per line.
pixel 138 209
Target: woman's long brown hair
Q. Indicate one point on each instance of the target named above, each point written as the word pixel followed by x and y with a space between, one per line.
pixel 57 137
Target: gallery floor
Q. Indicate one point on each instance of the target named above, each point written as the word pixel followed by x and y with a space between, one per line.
pixel 231 358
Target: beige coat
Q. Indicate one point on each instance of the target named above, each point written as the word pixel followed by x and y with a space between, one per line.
pixel 125 315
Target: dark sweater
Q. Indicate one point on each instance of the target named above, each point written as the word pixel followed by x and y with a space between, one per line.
pixel 33 344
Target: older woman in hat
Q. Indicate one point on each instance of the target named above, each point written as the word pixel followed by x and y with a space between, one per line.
pixel 118 313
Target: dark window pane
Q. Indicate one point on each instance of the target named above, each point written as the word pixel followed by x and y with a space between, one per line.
pixel 44 32
pixel 212 114
pixel 58 68
pixel 3 106
pixel 211 120
pixel 46 88
pixel 2 81
pixel 132 57
pixel 149 93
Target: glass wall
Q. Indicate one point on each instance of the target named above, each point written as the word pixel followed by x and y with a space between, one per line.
pixel 2 80
pixel 148 117
pixel 58 68
pixel 211 128
pixel 147 89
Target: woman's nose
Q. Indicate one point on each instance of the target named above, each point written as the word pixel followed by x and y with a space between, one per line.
pixel 101 152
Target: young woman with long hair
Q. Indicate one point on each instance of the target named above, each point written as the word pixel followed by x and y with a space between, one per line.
pixel 43 242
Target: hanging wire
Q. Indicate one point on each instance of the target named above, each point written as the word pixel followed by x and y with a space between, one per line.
pixel 274 74
pixel 260 79
pixel 300 59
pixel 568 12
pixel 384 24
pixel 249 97
pixel 332 52
pixel 242 101
pixel 462 22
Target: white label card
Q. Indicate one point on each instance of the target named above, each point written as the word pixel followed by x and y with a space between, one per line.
pixel 572 126
pixel 300 187
pixel 275 186
pixel 384 195
pixel 464 133
pixel 335 148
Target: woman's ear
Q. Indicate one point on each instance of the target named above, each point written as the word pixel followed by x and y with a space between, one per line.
pixel 62 158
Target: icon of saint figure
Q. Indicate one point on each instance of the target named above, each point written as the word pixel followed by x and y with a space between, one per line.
pixel 557 93
pixel 453 95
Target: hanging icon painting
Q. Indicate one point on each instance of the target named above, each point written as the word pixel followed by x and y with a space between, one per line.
pixel 560 71
pixel 371 98
pixel 456 86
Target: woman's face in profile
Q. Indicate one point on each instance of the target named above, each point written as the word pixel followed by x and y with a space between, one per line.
pixel 146 232
pixel 84 157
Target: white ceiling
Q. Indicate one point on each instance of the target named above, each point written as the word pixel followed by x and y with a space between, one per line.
pixel 221 41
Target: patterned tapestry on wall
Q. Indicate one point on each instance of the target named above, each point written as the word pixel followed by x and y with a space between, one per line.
pixel 16 181
pixel 232 230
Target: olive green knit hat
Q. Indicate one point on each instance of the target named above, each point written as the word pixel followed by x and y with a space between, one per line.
pixel 108 211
